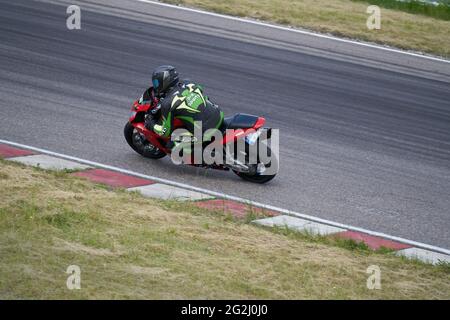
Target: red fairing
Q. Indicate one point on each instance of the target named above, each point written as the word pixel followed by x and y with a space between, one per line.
pixel 233 135
pixel 259 123
pixel 151 136
pixel 140 107
pixel 137 107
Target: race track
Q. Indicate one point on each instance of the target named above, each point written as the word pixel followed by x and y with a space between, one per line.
pixel 362 144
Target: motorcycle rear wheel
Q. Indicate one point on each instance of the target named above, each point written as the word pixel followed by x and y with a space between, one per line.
pixel 141 146
pixel 260 178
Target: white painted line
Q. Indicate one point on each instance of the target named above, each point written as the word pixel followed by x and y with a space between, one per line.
pixel 424 255
pixel 47 162
pixel 318 35
pixel 167 192
pixel 298 224
pixel 234 198
pixel 282 221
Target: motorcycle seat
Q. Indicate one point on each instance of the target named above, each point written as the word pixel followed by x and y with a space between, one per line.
pixel 239 121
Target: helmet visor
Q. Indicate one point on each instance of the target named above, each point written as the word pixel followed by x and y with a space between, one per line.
pixel 155 84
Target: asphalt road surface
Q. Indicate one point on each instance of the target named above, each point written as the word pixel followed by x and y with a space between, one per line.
pixel 364 141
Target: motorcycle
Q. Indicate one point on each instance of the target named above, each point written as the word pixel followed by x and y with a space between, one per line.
pixel 240 126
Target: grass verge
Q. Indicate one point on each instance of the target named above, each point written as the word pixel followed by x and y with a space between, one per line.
pixel 347 18
pixel 135 248
pixel 441 11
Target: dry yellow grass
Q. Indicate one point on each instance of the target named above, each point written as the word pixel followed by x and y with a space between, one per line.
pixel 341 17
pixel 131 247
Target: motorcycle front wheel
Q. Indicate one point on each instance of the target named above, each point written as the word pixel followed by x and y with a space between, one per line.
pixel 140 144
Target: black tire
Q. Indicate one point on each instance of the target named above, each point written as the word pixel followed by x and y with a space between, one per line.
pixel 260 178
pixel 144 148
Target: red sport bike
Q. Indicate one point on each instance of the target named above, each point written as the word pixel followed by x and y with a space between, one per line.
pixel 240 126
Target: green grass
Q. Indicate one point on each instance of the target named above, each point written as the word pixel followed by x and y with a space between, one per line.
pixel 416 7
pixel 130 247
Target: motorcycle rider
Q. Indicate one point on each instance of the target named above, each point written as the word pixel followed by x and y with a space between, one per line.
pixel 183 100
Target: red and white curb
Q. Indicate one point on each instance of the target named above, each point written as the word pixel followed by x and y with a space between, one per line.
pixel 47 162
pixel 155 187
pixel 298 224
pixel 166 192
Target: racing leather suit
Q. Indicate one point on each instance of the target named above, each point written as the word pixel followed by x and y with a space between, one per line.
pixel 186 102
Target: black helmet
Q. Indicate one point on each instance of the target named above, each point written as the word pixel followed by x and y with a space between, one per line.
pixel 163 78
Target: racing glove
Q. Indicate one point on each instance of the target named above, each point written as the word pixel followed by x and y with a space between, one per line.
pixel 149 121
pixel 152 117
